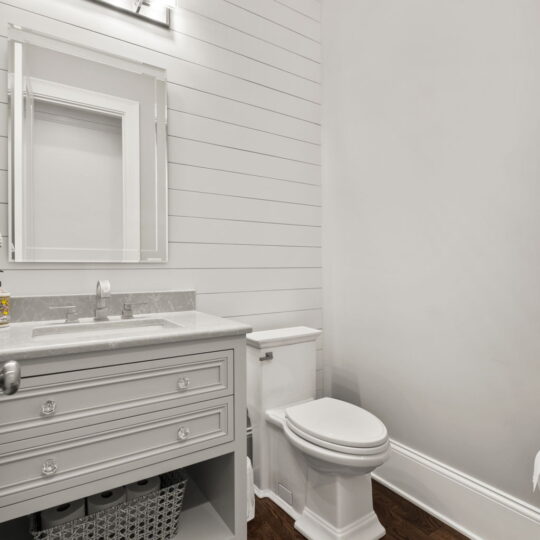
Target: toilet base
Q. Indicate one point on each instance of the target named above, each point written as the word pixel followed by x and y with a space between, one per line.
pixel 338 507
pixel 314 528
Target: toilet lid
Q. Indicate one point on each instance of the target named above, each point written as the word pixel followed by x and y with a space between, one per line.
pixel 338 422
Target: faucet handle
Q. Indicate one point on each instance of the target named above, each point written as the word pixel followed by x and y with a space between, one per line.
pixel 70 311
pixel 127 309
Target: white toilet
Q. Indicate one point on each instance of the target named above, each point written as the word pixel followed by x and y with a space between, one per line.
pixel 313 457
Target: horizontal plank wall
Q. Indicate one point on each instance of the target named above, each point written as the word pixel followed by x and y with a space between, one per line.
pixel 244 153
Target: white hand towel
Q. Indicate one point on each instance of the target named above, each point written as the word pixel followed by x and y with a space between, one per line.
pixel 536 473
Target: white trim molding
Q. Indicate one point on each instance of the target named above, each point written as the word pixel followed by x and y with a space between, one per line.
pixel 476 509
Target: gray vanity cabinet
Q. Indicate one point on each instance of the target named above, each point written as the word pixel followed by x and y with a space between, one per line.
pixel 88 422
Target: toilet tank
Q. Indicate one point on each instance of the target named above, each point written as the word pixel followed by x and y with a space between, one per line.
pixel 281 369
pixel 281 366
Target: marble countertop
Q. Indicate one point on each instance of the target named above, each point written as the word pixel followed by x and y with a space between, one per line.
pixel 18 343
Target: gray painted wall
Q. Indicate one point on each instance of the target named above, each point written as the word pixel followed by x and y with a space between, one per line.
pixel 431 239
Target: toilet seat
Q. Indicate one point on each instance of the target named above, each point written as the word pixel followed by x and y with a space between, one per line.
pixel 338 426
pixel 361 451
pixel 348 461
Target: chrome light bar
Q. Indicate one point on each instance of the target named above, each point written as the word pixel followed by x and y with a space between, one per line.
pixel 154 11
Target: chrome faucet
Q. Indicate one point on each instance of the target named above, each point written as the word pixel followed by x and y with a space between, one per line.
pixel 103 293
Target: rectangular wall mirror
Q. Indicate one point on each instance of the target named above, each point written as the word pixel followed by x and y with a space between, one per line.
pixel 88 156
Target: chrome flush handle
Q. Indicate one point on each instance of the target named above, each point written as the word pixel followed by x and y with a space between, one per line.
pixel 10 378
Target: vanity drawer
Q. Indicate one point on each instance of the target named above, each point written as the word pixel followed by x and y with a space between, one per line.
pixel 180 429
pixel 67 400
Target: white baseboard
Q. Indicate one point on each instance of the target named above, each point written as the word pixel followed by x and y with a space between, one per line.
pixel 466 504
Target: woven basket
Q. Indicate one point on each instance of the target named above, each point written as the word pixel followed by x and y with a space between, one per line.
pixel 151 517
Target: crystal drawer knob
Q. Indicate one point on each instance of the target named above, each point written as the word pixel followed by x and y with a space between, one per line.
pixel 183 383
pixel 183 433
pixel 48 408
pixel 49 467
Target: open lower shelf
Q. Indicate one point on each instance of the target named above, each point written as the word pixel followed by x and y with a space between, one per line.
pixel 200 520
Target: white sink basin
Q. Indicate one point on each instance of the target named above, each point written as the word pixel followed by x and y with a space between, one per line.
pixel 106 328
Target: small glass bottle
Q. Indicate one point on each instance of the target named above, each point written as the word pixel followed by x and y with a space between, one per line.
pixel 5 304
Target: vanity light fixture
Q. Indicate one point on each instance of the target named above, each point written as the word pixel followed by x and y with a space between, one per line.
pixel 154 11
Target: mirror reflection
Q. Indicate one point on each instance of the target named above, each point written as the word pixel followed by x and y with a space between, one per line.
pixel 88 168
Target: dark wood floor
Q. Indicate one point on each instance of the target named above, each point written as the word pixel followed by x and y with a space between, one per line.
pixel 401 519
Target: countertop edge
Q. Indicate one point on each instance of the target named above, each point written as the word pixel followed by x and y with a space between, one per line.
pixel 47 350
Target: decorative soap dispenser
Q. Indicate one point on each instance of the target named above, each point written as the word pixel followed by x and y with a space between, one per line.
pixel 5 300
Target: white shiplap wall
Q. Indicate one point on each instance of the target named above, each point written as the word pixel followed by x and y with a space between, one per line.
pixel 244 153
